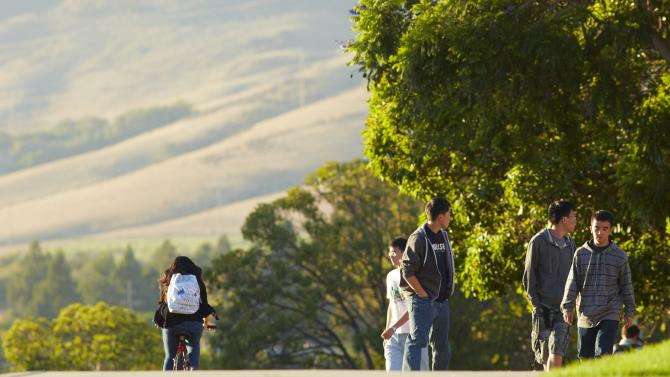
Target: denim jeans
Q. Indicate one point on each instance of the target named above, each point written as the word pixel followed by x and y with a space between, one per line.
pixel 394 353
pixel 428 322
pixel 597 341
pixel 170 343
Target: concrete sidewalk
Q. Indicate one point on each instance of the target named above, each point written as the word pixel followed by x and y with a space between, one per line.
pixel 280 373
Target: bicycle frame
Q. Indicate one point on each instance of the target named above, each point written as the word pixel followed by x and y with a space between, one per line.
pixel 182 353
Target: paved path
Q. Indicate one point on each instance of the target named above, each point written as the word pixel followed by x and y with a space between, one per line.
pixel 279 373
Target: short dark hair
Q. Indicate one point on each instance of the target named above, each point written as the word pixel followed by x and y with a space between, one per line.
pixel 559 209
pixel 399 243
pixel 632 331
pixel 603 215
pixel 437 206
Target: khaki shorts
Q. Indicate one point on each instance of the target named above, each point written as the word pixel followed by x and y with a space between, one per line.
pixel 550 334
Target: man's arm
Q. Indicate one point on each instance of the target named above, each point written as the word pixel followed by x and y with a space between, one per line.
pixel 402 320
pixel 390 330
pixel 416 286
pixel 530 275
pixel 411 262
pixel 571 290
pixel 388 315
pixel 387 333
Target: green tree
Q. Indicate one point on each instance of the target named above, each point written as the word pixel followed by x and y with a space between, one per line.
pixel 203 254
pixel 206 252
pixel 94 280
pixel 29 344
pixel 505 105
pixel 163 256
pixel 310 292
pixel 128 280
pixel 160 260
pixel 28 273
pixel 147 293
pixel 56 290
pixel 99 337
pixel 223 245
pixel 104 337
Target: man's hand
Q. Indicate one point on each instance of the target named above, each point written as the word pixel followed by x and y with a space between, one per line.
pixel 388 333
pixel 208 325
pixel 628 322
pixel 416 286
pixel 568 316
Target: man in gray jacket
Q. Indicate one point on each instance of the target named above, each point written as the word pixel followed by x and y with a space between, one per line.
pixel 548 262
pixel 600 283
pixel 427 269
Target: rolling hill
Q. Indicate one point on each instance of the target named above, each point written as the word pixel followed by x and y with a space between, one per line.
pixel 271 100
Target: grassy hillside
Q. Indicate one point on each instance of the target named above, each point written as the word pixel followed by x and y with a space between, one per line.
pixel 212 122
pixel 74 59
pixel 652 360
pixel 72 137
pixel 268 157
pixel 270 98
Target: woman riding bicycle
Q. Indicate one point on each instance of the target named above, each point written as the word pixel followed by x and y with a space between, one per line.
pixel 172 321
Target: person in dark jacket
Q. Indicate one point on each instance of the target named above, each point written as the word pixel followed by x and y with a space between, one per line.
pixel 173 323
pixel 548 262
pixel 427 270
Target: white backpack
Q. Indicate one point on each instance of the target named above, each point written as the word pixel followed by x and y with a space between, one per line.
pixel 183 294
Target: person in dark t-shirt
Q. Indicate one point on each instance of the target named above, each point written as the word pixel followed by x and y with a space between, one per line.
pixel 427 269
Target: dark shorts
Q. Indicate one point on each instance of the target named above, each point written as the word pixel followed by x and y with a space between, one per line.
pixel 550 334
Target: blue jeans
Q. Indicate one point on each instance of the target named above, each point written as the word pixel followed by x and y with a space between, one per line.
pixel 170 343
pixel 394 353
pixel 428 321
pixel 597 341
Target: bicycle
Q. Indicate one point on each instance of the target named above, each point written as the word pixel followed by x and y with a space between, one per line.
pixel 185 338
pixel 182 352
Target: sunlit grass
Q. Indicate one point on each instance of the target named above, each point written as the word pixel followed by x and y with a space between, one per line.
pixel 652 360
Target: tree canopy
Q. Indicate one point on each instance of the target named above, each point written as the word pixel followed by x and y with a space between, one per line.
pixel 98 337
pixel 310 291
pixel 505 106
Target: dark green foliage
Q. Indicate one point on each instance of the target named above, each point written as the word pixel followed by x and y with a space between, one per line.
pixel 204 255
pixel 128 281
pixel 505 106
pixel 22 284
pixel 310 292
pixel 489 334
pixel 57 290
pixel 163 256
pixel 94 280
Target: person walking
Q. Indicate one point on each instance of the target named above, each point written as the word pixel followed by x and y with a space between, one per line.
pixel 599 284
pixel 548 262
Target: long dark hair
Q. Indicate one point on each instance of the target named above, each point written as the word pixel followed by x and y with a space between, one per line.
pixel 181 265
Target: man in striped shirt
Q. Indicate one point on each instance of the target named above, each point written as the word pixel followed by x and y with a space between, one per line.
pixel 600 276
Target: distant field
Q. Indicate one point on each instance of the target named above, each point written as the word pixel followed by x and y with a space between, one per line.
pixel 143 247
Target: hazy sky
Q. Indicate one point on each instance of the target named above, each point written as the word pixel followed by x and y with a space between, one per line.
pixel 11 8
